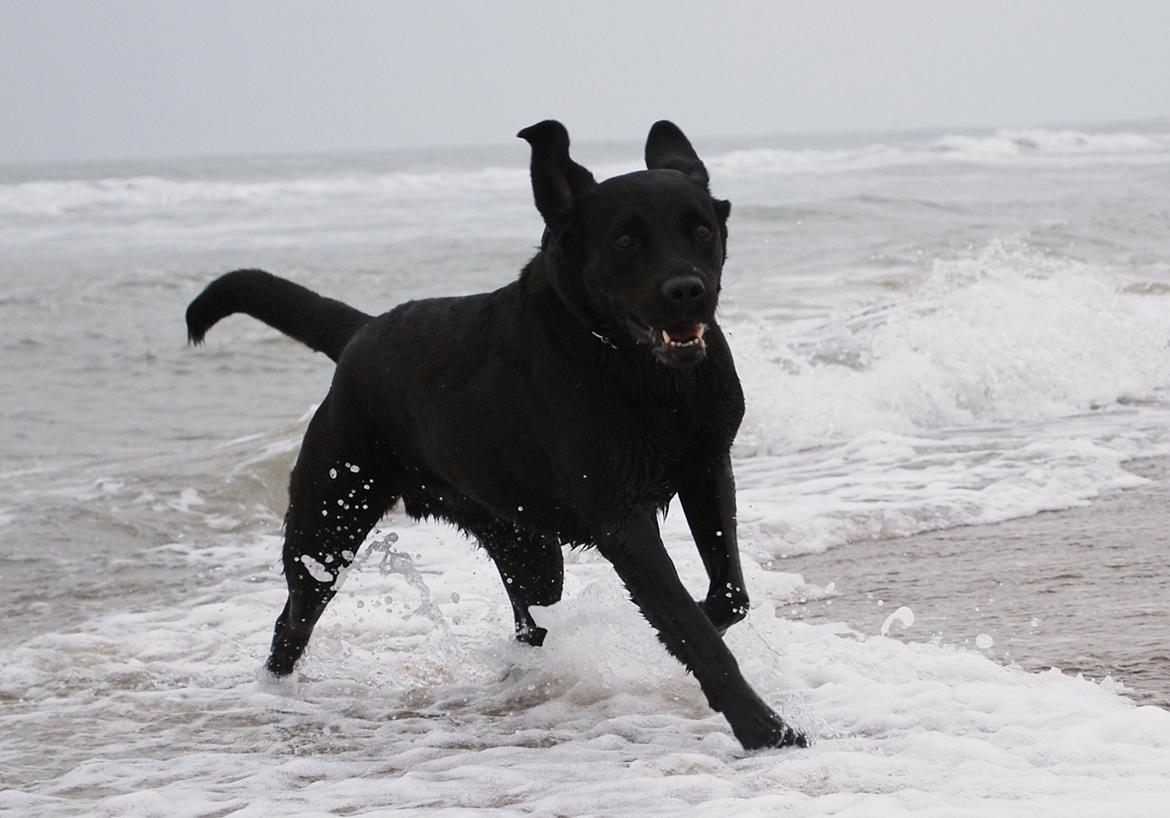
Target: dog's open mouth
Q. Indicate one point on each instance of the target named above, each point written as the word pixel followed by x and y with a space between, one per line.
pixel 679 336
pixel 681 344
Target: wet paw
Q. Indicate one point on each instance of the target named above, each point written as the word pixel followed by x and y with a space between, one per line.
pixel 279 666
pixel 761 728
pixel 723 612
pixel 532 635
pixel 771 732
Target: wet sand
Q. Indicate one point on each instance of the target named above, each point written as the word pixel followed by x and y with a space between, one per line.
pixel 1084 590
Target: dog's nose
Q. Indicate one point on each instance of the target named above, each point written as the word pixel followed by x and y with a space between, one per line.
pixel 684 291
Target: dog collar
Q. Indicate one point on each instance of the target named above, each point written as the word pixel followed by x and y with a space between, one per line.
pixel 603 339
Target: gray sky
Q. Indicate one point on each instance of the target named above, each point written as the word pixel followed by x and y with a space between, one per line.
pixel 138 79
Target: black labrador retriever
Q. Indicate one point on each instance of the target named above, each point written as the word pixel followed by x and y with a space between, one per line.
pixel 566 408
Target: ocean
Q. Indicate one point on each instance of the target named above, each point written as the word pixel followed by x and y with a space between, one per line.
pixel 953 481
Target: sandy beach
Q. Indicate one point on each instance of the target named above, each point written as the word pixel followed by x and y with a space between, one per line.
pixel 1082 589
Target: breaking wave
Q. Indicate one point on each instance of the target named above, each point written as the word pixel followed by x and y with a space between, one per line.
pixel 153 192
pixel 1007 383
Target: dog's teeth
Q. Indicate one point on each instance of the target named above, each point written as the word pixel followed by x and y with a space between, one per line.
pixel 673 343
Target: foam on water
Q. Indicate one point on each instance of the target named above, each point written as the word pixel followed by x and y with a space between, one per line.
pixel 1001 334
pixel 1006 383
pixel 160 714
pixel 152 194
pixel 1035 146
pixel 1038 142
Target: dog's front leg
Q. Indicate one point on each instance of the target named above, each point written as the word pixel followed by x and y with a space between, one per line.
pixel 641 561
pixel 708 501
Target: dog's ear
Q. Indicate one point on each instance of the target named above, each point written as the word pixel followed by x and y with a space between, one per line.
pixel 667 148
pixel 557 181
pixel 722 209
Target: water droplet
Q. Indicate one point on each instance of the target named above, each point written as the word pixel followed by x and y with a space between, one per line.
pixel 983 641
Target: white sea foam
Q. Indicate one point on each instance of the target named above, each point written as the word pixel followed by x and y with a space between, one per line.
pixel 155 194
pixel 49 198
pixel 782 160
pixel 158 713
pixel 1025 146
pixel 1003 335
pixel 1038 142
pixel 1005 384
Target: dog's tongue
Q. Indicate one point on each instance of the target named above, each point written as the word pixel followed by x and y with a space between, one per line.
pixel 683 332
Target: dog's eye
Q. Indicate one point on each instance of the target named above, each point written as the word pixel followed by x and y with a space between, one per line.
pixel 625 242
pixel 704 233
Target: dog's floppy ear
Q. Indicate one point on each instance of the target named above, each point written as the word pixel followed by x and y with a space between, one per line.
pixel 557 181
pixel 667 148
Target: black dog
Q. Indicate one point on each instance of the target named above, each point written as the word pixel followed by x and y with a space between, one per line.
pixel 568 407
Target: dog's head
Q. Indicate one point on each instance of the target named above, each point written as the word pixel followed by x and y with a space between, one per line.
pixel 637 258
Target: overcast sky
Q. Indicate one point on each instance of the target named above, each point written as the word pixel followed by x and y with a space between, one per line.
pixel 159 78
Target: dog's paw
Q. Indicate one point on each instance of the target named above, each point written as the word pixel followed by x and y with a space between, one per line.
pixel 768 730
pixel 758 727
pixel 533 635
pixel 279 665
pixel 723 612
pixel 268 682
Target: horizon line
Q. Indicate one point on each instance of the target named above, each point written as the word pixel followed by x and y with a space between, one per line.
pixel 291 153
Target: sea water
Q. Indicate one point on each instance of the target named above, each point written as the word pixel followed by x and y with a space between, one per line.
pixel 934 331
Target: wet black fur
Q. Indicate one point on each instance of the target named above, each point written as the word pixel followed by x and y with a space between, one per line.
pixel 542 414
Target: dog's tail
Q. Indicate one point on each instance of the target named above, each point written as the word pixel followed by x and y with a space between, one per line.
pixel 319 323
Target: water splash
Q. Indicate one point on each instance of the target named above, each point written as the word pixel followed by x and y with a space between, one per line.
pixel 392 561
pixel 903 616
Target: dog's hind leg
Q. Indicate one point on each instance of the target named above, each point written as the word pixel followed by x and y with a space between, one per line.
pixel 708 501
pixel 533 570
pixel 336 495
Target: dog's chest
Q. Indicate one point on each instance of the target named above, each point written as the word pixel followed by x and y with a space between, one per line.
pixel 651 448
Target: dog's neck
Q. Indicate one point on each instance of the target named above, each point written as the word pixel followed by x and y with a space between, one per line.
pixel 539 282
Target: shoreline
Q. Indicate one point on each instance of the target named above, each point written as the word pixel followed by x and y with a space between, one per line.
pixel 1070 589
